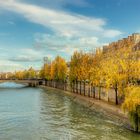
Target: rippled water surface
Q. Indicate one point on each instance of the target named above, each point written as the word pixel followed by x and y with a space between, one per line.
pixel 46 114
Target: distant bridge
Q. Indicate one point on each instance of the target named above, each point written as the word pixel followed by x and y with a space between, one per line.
pixel 28 82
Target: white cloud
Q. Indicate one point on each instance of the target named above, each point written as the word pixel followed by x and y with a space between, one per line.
pixel 17 59
pixel 6 66
pixel 89 41
pixel 60 22
pixel 68 49
pixel 55 41
pixel 27 55
pixel 59 44
pixel 112 33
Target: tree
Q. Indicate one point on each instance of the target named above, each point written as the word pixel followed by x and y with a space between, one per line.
pixel 132 105
pixel 74 69
pixel 31 73
pixel 96 71
pixel 19 75
pixel 120 68
pixel 47 71
pixel 112 75
pixel 85 69
pixel 80 66
pixel 59 69
pixel 42 73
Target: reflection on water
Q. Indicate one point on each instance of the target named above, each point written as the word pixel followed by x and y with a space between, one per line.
pixel 38 114
pixel 11 85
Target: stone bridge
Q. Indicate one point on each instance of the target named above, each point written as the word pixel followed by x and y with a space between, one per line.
pixel 28 82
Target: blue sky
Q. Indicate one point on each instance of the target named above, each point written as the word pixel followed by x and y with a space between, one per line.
pixel 33 29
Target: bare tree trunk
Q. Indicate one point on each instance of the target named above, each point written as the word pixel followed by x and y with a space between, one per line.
pixel 55 84
pixel 84 88
pixel 99 92
pixel 89 90
pixel 93 91
pixel 116 95
pixel 64 84
pixel 80 88
pixel 77 86
pixel 107 96
pixel 73 86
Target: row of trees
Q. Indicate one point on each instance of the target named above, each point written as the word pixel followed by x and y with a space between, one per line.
pixel 56 70
pixel 22 74
pixel 116 70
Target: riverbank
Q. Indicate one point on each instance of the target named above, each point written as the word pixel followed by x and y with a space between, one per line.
pixel 109 109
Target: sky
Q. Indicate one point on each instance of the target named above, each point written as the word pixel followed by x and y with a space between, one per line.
pixel 33 29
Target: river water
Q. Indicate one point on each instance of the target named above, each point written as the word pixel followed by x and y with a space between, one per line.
pixel 46 114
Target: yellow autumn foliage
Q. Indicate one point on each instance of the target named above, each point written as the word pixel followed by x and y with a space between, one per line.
pixel 132 99
pixel 59 69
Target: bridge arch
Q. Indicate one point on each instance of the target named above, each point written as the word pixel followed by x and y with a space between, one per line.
pixel 28 82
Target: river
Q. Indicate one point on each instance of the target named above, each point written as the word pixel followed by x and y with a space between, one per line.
pixel 46 114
